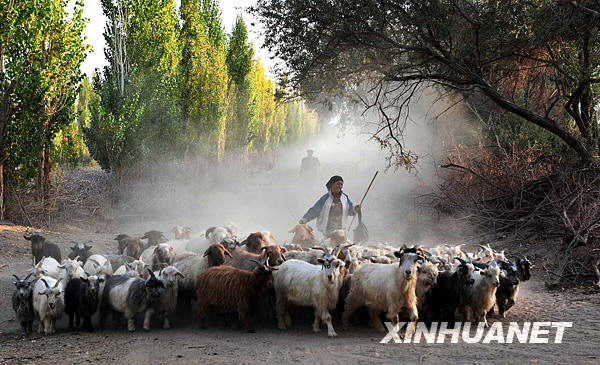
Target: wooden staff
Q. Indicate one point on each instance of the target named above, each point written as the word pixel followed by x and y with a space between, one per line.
pixel 363 198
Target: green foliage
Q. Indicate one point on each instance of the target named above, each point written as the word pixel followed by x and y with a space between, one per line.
pixel 181 92
pixel 41 51
pixel 240 54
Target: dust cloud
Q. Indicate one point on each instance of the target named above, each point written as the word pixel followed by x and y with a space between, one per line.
pixel 273 197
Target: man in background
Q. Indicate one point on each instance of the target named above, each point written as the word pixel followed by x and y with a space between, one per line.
pixel 309 169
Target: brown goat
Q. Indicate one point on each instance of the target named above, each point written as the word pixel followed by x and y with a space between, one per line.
pixel 248 261
pixel 134 246
pixel 303 235
pixel 255 241
pixel 233 290
pixel 122 239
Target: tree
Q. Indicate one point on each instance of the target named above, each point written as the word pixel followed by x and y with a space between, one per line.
pixel 205 77
pixel 240 58
pixel 58 60
pixel 535 59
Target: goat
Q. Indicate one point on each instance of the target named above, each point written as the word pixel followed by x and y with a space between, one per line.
pixel 133 270
pixel 199 243
pixel 98 265
pixel 485 255
pixel 481 296
pixel 303 235
pixel 48 303
pixel 182 233
pixel 507 292
pixel 80 250
pixel 167 304
pixel 154 238
pixel 192 266
pixel 385 288
pixel 255 241
pixel 158 256
pixel 247 260
pixel 41 248
pixel 118 260
pixel 427 274
pixel 22 303
pixel 311 256
pixel 232 289
pixel 450 292
pixel 130 296
pixel 81 300
pixel 305 284
pixel 122 240
pixel 133 247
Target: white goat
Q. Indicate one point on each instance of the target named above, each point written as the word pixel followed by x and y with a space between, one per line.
pixel 311 256
pixel 481 296
pixel 309 285
pixel 182 233
pixel 98 265
pixel 48 303
pixel 133 270
pixel 199 243
pixel 384 288
pixel 167 303
pixel 159 256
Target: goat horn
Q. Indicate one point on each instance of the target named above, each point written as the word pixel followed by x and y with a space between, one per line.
pixel 56 284
pixel 28 275
pixel 463 262
pixel 45 282
pixel 16 277
pixel 324 249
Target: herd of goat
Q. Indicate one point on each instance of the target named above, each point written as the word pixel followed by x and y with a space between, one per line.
pixel 215 272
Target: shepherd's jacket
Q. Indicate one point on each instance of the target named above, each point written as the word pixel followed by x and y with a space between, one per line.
pixel 321 211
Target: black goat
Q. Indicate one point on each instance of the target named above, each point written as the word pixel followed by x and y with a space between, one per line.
pixel 23 304
pixel 81 300
pixel 41 248
pixel 80 250
pixel 450 292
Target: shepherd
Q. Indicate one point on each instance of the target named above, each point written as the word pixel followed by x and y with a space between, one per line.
pixel 332 209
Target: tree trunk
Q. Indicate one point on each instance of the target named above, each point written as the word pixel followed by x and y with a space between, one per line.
pixel 2 192
pixel 47 171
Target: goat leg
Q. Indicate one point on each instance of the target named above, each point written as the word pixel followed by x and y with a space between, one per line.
pixel 316 324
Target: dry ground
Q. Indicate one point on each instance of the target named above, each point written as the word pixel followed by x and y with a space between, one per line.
pixel 186 344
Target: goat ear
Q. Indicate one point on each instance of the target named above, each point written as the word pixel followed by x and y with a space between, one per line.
pixel 85 280
pixel 283 249
pixel 28 238
pixel 321 261
pixel 399 254
pixel 264 248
